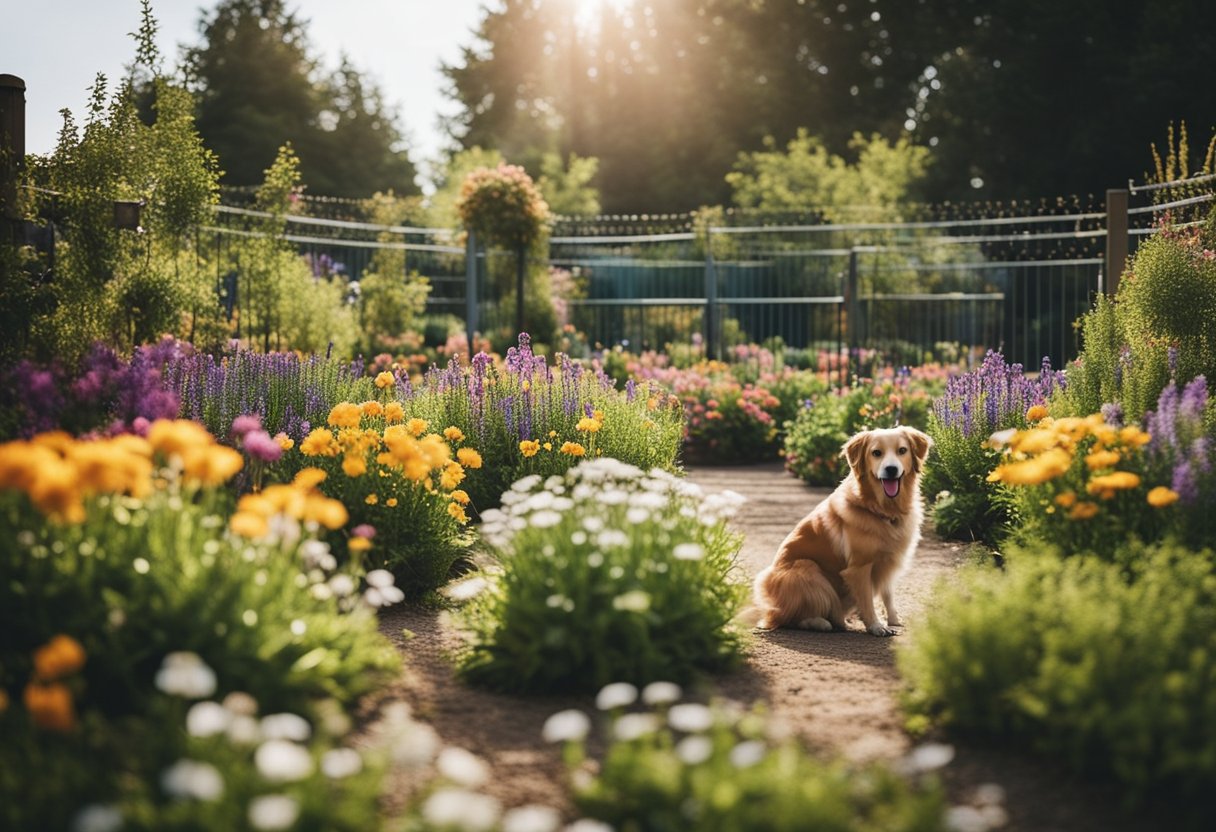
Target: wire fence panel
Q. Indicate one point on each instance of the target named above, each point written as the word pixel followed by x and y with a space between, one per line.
pixel 937 282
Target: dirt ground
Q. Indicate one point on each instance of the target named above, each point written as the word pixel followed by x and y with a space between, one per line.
pixel 838 691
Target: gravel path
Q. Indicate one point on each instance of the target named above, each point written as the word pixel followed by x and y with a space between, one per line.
pixel 837 691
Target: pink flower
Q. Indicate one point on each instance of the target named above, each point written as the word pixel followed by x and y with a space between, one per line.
pixel 259 445
pixel 242 425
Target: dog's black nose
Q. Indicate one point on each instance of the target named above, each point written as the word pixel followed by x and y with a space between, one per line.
pixel 890 472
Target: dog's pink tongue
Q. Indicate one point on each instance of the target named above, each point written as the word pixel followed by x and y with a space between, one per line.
pixel 891 487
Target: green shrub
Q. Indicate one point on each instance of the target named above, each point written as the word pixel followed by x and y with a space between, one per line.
pixel 1160 327
pixel 528 417
pixel 1071 659
pixel 124 551
pixel 693 767
pixel 607 573
pixel 815 435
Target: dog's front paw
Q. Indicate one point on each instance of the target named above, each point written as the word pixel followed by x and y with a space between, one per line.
pixel 879 630
pixel 894 621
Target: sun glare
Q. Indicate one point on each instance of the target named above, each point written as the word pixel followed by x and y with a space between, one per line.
pixel 587 12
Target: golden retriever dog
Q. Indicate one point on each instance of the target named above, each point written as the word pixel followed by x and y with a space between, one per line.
pixel 854 544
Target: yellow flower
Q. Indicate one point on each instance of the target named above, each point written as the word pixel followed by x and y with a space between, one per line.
pixel 372 408
pixel 345 415
pixel 391 502
pixel 354 466
pixel 1035 441
pixel 451 477
pixel 50 706
pixel 59 657
pixel 457 511
pixel 459 496
pixel 573 448
pixel 548 446
pixel 1083 511
pixel 213 465
pixel 652 403
pixel 416 426
pixel 1133 436
pixel 529 447
pixel 526 385
pixel 1039 469
pixel 171 437
pixel 453 434
pixel 320 442
pixel 469 458
pixel 394 412
pixel 1160 497
pixel 371 499
pixel 285 441
pixel 648 424
pixel 1035 413
pixel 552 434
pixel 358 544
pixel 309 478
pixel 587 425
pixel 329 513
pixel 1102 459
pixel 385 379
pixel 248 524
pixel 1117 481
pixel 1066 499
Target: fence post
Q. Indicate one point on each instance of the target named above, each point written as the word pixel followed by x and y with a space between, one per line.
pixel 1116 239
pixel 852 316
pixel 12 144
pixel 470 290
pixel 711 299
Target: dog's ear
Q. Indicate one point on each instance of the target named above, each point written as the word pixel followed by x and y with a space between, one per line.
pixel 921 443
pixel 855 451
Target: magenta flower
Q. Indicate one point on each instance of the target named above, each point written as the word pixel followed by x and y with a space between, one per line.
pixel 259 445
pixel 364 530
pixel 243 425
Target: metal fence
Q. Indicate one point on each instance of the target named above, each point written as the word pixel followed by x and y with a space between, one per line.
pixel 942 282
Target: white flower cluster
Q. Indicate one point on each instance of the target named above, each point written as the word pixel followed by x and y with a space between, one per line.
pixel 593 489
pixel 319 562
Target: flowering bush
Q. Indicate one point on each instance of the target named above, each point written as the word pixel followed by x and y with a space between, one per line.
pixel 503 205
pixel 530 417
pixel 975 405
pixel 400 481
pixel 606 573
pixel 684 765
pixel 824 423
pixel 1070 659
pixel 129 586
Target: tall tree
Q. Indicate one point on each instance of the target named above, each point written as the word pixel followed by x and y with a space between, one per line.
pixel 259 87
pixel 1018 98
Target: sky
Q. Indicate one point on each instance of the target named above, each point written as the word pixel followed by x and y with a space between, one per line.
pixel 59 46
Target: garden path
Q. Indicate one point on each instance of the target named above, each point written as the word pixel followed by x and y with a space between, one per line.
pixel 837 691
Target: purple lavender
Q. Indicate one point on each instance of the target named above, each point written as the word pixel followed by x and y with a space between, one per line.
pixel 993 397
pixel 1179 448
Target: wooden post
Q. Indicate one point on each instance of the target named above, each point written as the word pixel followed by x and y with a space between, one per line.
pixel 1116 239
pixel 470 291
pixel 711 300
pixel 12 144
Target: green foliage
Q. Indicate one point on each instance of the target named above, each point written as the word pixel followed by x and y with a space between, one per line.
pixel 441 208
pixel 1106 667
pixel 1160 326
pixel 567 186
pixel 281 303
pixel 121 286
pixel 965 505
pixel 498 408
pixel 726 775
pixel 607 573
pixel 807 175
pixel 391 298
pixel 259 86
pixel 167 605
pixel 823 423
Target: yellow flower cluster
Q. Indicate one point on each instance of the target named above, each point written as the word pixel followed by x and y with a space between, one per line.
pixel 300 500
pixel 59 473
pixel 1046 452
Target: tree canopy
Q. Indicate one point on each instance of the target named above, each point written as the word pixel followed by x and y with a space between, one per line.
pixel 259 87
pixel 1022 98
